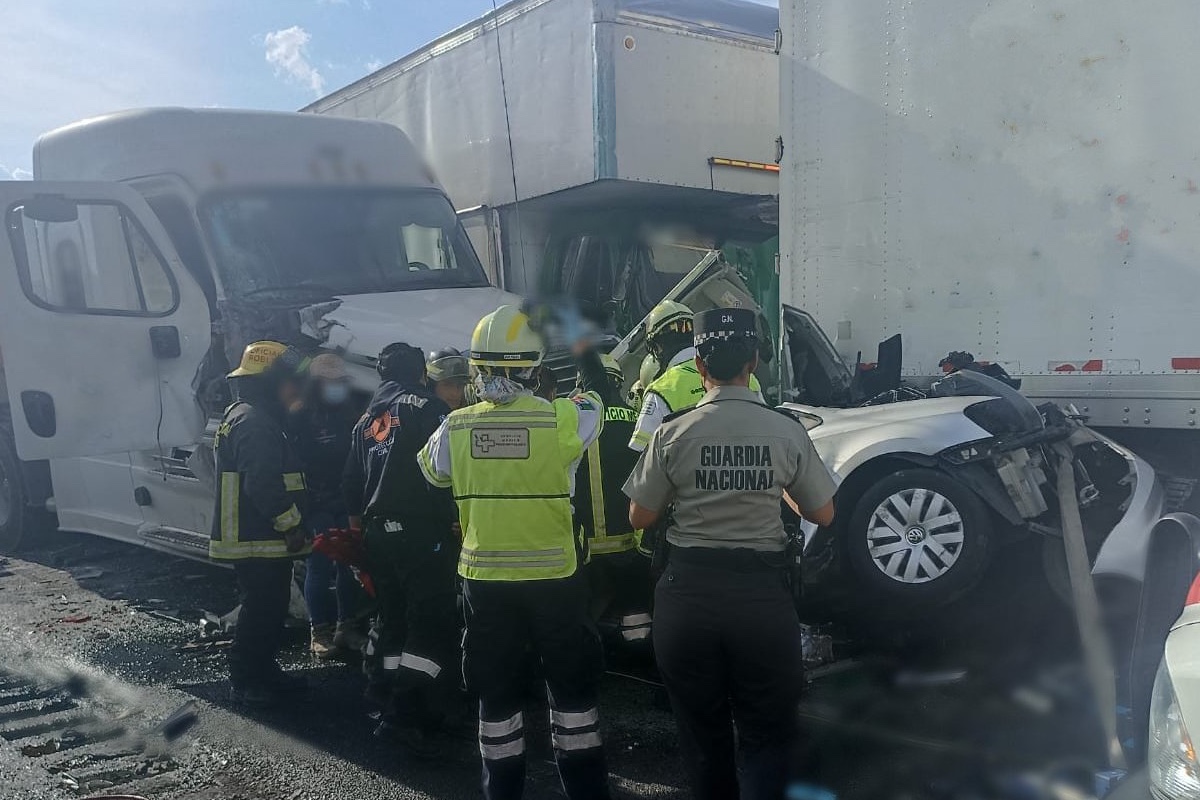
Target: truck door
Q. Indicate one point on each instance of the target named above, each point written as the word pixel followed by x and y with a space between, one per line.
pixel 101 328
pixel 712 283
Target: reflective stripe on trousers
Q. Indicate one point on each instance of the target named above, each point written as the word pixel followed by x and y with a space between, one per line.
pixel 412 661
pixel 502 739
pixel 635 627
pixel 575 730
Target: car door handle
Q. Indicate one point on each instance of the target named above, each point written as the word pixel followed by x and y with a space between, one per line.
pixel 164 341
pixel 39 413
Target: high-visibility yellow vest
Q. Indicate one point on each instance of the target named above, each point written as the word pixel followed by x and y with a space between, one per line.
pixel 509 469
pixel 682 387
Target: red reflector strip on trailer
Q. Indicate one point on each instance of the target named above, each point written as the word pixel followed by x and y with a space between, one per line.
pixel 1185 363
pixel 1193 595
pixel 1091 365
pixel 1096 365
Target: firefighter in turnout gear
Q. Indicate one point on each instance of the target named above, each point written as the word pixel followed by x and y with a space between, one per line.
pixel 618 574
pixel 449 373
pixel 258 524
pixel 678 387
pixel 510 460
pixel 726 634
pixel 411 552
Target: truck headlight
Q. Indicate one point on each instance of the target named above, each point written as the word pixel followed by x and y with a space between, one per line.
pixel 1174 772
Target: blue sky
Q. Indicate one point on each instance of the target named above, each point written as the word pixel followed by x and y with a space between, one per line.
pixel 64 60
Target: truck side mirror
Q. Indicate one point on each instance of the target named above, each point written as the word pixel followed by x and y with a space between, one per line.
pixel 50 208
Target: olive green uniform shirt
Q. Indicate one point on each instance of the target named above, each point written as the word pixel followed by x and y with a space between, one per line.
pixel 725 465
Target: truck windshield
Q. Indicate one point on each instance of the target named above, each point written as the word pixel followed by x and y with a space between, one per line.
pixel 337 241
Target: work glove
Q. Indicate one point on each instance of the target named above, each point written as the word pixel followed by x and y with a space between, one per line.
pixel 296 539
pixel 343 545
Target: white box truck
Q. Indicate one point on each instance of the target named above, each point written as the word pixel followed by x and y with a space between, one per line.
pixel 639 134
pixel 1014 179
pixel 150 247
pixel 1009 179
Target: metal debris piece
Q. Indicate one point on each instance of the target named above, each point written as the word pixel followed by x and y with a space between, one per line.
pixel 39 750
pixel 179 722
pixel 915 678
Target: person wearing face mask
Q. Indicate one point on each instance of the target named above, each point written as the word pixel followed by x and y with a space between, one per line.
pixel 260 518
pixel 320 428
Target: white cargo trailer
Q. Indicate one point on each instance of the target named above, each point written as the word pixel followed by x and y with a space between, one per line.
pixel 612 117
pixel 1020 180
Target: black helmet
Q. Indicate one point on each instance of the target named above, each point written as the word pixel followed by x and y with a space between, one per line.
pixel 447 364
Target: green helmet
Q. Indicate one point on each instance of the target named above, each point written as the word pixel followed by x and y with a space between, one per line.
pixel 648 371
pixel 612 368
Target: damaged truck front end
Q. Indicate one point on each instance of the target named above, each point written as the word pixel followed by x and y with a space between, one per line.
pixel 324 233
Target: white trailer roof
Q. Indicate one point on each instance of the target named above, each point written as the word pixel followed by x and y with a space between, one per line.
pixel 212 147
pixel 633 90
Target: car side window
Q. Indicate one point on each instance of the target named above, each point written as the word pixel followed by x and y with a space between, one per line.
pixel 90 258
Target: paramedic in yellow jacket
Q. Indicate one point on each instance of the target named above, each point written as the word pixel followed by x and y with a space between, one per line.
pixel 510 461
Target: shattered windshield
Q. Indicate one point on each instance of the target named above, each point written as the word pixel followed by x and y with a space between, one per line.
pixel 338 241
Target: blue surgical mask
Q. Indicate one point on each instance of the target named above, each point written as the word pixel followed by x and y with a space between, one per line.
pixel 335 394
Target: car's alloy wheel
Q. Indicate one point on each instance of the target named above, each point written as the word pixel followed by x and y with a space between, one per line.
pixel 915 535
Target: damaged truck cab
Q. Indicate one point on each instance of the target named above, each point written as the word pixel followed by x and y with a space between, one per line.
pixel 151 247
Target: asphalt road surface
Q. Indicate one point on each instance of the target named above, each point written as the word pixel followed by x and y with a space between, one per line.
pixel 101 646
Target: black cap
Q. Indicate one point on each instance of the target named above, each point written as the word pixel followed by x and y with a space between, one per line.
pixel 724 324
pixel 400 362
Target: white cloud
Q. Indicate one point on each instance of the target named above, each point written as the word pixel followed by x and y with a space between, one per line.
pixel 85 61
pixel 374 65
pixel 287 51
pixel 15 174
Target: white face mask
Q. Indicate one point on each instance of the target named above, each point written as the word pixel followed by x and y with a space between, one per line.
pixel 335 394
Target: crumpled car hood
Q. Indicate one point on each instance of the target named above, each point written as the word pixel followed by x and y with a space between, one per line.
pixel 428 318
pixel 848 437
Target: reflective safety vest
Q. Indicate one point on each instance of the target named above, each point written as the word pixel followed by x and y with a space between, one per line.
pixel 601 506
pixel 682 387
pixel 509 469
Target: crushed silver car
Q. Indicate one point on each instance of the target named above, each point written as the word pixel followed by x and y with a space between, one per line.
pixel 934 477
pixel 930 487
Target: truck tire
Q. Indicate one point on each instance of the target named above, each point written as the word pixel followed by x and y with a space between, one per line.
pixel 17 518
pixel 917 538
